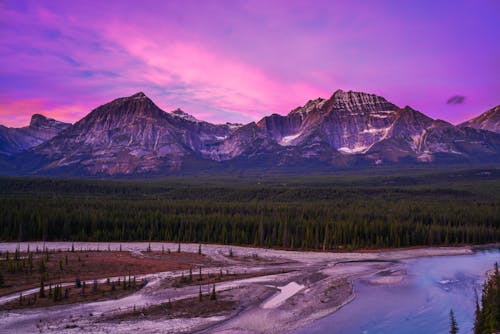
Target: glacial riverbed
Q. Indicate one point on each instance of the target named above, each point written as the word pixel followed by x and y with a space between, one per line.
pixel 395 291
pixel 420 303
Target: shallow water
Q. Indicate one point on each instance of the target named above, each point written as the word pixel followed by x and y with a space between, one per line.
pixel 420 304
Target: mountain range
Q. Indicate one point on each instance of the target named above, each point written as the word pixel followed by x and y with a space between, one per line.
pixel 132 136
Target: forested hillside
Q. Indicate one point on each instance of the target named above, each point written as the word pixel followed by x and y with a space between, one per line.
pixel 322 212
pixel 488 309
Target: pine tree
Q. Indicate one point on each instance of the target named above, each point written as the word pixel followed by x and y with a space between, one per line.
pixel 213 295
pixel 56 293
pixel 2 281
pixel 199 249
pixel 41 266
pixel 42 288
pixel 190 274
pixel 488 315
pixel 453 323
pixel 478 322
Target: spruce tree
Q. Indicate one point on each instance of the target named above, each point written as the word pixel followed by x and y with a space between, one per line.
pixel 42 288
pixel 213 295
pixel 453 323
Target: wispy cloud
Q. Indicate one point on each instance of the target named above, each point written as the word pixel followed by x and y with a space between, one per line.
pixel 247 58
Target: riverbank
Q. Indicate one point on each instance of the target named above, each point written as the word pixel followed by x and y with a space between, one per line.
pixel 290 289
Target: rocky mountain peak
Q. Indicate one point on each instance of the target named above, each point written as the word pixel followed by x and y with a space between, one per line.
pixel 360 102
pixel 179 113
pixel 139 95
pixel 124 110
pixel 490 120
pixel 37 119
pixel 131 135
pixel 40 129
pixel 309 106
pixel 40 122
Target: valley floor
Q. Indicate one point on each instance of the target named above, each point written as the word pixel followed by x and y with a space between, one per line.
pixel 257 290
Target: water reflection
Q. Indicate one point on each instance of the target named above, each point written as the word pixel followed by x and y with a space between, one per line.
pixel 419 304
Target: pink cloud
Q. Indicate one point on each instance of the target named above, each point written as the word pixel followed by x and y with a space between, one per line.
pixel 222 81
pixel 246 59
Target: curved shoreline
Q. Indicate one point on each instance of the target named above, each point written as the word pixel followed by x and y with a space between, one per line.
pixel 316 271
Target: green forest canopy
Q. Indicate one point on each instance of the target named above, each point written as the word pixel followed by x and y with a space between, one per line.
pixel 410 208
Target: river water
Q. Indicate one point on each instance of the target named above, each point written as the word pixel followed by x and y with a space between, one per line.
pixel 419 304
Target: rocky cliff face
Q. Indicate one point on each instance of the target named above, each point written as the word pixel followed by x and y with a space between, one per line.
pixel 41 129
pixel 360 125
pixel 489 120
pixel 132 136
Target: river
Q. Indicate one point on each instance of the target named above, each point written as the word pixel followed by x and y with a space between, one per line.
pixel 419 304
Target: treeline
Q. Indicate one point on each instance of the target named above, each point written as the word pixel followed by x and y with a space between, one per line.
pixel 488 310
pixel 273 215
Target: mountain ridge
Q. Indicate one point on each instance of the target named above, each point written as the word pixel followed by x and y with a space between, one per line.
pixel 133 136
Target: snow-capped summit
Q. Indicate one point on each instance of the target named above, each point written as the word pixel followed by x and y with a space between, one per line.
pixel 181 114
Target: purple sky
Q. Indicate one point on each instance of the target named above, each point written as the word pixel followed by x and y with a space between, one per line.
pixel 240 60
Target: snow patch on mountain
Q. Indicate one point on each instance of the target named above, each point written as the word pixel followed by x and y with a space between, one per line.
pixel 234 126
pixel 286 141
pixel 181 114
pixel 354 150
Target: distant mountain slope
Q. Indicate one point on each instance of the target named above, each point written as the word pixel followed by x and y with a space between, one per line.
pixel 489 120
pixel 352 126
pixel 132 136
pixel 41 129
pixel 129 135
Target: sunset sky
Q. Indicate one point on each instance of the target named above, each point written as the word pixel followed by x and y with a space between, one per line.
pixel 240 60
